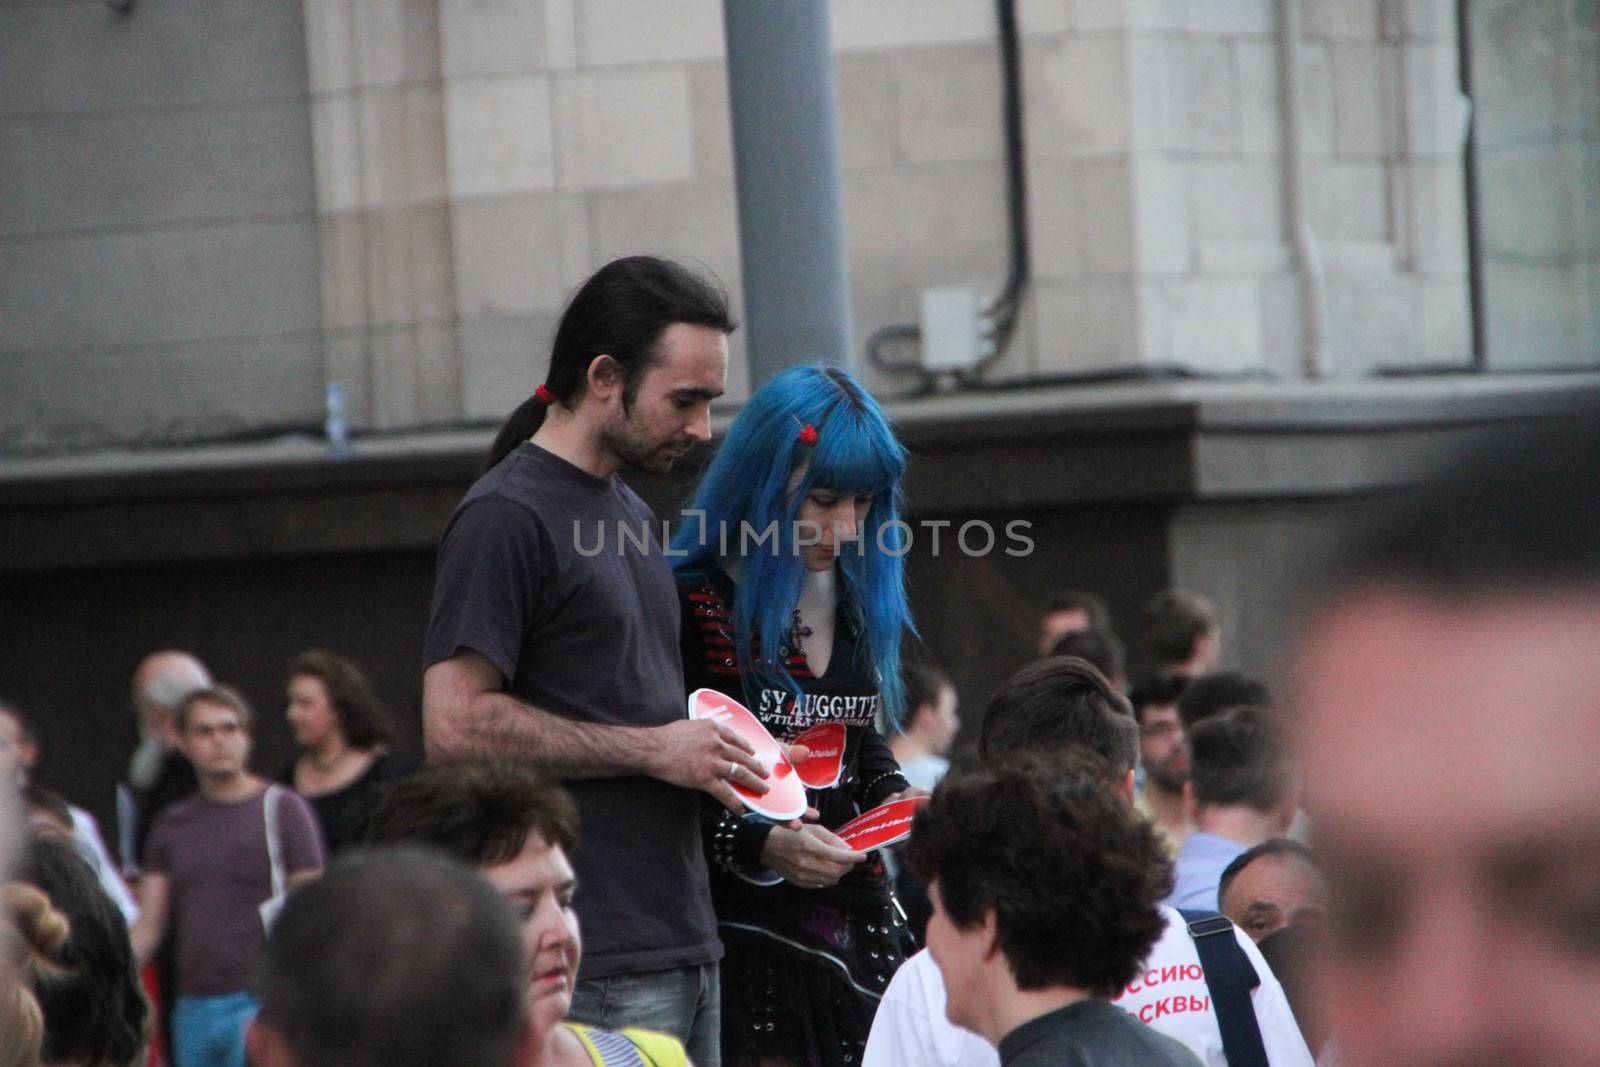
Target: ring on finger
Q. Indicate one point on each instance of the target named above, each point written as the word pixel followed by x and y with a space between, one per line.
pixel 733 769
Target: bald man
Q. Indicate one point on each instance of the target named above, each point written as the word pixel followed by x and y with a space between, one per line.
pixel 158 771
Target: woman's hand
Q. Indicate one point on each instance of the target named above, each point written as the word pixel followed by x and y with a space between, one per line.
pixel 909 793
pixel 810 857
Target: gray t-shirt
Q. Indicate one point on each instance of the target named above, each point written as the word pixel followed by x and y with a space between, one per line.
pixel 214 855
pixel 1091 1033
pixel 535 575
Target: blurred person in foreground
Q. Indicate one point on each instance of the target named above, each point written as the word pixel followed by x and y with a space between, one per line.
pixel 1242 790
pixel 520 833
pixel 394 958
pixel 1164 755
pixel 1051 708
pixel 344 766
pixel 1447 698
pixel 214 861
pixel 1044 893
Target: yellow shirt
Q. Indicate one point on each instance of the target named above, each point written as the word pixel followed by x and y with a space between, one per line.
pixel 612 1048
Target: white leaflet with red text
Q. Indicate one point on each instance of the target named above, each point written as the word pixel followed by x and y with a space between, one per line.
pixel 785 798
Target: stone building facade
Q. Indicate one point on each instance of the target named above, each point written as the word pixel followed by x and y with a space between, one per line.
pixel 215 207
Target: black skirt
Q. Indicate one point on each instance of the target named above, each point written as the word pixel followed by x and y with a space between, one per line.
pixel 805 969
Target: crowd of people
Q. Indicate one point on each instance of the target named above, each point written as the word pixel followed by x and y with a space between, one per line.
pixel 1392 862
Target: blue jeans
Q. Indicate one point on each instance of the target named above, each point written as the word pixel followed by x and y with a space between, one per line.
pixel 685 1002
pixel 209 1031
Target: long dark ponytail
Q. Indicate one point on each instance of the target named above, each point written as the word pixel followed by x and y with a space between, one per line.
pixel 621 312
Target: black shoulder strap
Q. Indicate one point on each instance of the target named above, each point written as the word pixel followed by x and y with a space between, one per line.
pixel 1230 978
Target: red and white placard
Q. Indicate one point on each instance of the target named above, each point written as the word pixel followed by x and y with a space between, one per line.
pixel 884 825
pixel 786 794
pixel 822 768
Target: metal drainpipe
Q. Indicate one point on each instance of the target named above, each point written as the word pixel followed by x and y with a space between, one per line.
pixel 786 165
pixel 1308 258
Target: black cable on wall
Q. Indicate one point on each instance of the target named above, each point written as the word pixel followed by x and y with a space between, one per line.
pixel 1003 311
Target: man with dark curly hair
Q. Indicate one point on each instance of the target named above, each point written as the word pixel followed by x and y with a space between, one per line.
pixel 1044 893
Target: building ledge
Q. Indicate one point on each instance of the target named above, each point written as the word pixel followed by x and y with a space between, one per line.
pixel 1036 448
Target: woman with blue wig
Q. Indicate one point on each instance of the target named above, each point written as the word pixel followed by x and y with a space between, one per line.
pixel 794 603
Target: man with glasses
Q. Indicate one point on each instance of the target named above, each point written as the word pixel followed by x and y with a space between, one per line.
pixel 1164 755
pixel 213 860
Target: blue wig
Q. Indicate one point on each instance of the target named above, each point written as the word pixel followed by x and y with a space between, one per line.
pixel 745 486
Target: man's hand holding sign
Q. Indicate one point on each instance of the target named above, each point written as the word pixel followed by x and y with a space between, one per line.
pixel 749 754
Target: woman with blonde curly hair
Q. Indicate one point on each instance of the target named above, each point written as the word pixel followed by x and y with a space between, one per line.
pixel 26 927
pixel 75 966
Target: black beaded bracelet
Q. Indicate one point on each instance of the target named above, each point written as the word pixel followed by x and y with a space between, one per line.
pixel 868 788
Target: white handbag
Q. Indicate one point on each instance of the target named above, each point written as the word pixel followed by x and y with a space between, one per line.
pixel 269 814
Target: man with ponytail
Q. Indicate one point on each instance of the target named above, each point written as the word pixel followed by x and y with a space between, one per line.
pixel 567 661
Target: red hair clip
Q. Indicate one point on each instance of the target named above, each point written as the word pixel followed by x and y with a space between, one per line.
pixel 544 396
pixel 808 433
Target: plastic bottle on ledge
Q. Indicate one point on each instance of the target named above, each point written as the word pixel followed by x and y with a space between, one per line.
pixel 334 425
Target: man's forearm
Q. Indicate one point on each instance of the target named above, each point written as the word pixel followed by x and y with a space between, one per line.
pixel 498 726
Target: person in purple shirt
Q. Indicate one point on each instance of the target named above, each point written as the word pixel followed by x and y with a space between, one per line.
pixel 213 860
pixel 1243 790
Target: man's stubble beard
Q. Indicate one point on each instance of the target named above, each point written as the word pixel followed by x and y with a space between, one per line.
pixel 632 449
pixel 1165 779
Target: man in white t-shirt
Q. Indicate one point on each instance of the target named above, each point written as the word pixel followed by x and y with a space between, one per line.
pixel 1171 995
pixel 1049 706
